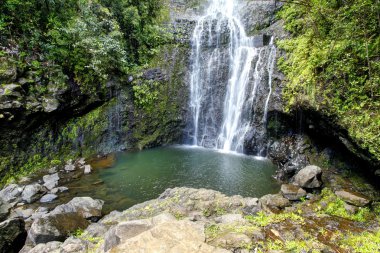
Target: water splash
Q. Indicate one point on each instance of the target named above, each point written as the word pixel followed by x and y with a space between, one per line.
pixel 227 71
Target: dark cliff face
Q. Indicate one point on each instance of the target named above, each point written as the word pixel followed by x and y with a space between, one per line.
pixel 33 115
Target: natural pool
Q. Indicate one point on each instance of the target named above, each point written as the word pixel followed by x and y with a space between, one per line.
pixel 135 177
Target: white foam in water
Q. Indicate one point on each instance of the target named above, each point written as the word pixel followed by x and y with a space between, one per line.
pixel 217 32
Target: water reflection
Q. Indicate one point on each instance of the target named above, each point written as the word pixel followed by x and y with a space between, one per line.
pixel 139 176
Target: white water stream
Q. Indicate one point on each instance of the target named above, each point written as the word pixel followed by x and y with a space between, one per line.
pixel 227 71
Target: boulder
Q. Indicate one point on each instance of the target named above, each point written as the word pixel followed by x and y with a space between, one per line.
pixel 292 192
pixel 59 189
pixel 32 193
pixel 40 212
pixel 309 177
pixel 48 198
pixel 4 210
pixel 55 227
pixel 231 240
pixel 96 230
pixel 169 237
pixel 87 169
pixel 230 218
pixel 51 181
pixel 84 206
pixel 11 193
pixel 163 217
pixel 12 235
pixel 22 213
pixel 276 201
pixel 350 208
pixel 74 245
pixel 52 170
pixel 50 247
pixel 49 104
pixel 124 231
pixel 353 198
pixel 8 70
pixel 81 162
pixel 251 205
pixel 69 167
pixel 251 202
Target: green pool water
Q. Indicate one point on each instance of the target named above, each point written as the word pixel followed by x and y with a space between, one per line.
pixel 139 176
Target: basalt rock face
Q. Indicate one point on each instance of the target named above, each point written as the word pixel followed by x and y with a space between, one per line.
pixel 36 108
pixel 214 62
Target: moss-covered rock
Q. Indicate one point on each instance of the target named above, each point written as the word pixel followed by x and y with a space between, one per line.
pixel 160 98
pixel 8 70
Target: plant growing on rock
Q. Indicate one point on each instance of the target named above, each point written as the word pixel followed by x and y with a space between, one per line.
pixel 336 206
pixel 332 64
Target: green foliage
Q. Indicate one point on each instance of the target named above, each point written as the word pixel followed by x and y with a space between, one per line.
pixel 262 219
pixel 90 45
pixel 145 94
pixel 89 40
pixel 35 163
pixel 333 65
pixel 55 162
pixel 139 21
pixel 366 242
pixel 77 233
pixel 212 231
pixel 309 245
pixel 336 207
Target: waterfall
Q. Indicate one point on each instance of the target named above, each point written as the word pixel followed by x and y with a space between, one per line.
pixel 227 73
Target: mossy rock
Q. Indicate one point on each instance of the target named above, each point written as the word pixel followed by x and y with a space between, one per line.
pixel 8 70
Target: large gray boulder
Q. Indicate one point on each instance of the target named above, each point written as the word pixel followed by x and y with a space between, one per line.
pixel 174 236
pixel 11 234
pixel 124 231
pixel 232 240
pixel 96 230
pixel 292 192
pixel 274 201
pixel 59 190
pixel 48 198
pixel 32 193
pixel 84 206
pixel 74 245
pixel 309 177
pixel 22 213
pixel 51 181
pixel 11 193
pixel 354 198
pixel 4 210
pixel 230 218
pixel 50 247
pixel 40 212
pixel 69 166
pixel 56 227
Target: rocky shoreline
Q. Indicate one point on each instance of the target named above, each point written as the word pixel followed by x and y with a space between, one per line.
pixel 311 212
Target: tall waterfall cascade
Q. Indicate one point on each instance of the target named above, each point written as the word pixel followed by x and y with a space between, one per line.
pixel 228 72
